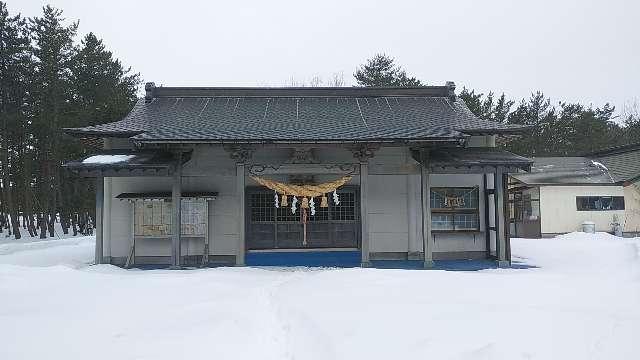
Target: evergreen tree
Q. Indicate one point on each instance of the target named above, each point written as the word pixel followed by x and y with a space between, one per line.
pixel 538 113
pixel 382 71
pixel 14 70
pixel 487 108
pixel 46 84
pixel 53 52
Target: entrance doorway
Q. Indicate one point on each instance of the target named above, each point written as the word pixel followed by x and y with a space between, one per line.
pixel 333 227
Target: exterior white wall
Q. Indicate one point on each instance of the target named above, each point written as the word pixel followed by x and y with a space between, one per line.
pixel 559 214
pixel 394 205
pixel 632 208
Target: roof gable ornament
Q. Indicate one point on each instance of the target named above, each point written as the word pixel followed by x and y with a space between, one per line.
pixel 148 89
pixel 451 90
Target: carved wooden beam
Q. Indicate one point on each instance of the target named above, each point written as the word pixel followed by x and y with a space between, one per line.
pixel 240 153
pixel 364 152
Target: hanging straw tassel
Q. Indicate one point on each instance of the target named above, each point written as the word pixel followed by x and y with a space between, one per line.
pixel 305 203
pixel 324 202
pixel 284 201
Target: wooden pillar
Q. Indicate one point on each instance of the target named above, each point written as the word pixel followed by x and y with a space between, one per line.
pixel 176 214
pixel 425 197
pixel 99 219
pixel 240 190
pixel 364 227
pixel 501 240
pixel 487 223
pixel 241 154
pixel 507 214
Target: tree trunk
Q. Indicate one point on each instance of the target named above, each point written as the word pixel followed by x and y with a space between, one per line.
pixel 43 226
pixel 73 225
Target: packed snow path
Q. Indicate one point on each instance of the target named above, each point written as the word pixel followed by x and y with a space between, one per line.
pixel 582 302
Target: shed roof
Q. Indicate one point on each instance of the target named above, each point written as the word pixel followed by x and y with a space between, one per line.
pixel 622 161
pixel 173 114
pixel 125 163
pixel 566 171
pixel 470 157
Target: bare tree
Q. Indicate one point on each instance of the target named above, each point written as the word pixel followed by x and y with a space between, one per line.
pixel 336 80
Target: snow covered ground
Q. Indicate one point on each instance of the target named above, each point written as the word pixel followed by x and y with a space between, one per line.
pixel 581 302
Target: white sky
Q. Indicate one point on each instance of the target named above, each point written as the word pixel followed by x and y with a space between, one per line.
pixel 586 51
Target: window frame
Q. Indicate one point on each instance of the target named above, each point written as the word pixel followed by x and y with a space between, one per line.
pixel 615 199
pixel 456 211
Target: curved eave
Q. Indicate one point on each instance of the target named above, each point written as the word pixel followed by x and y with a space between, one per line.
pixel 82 132
pixel 521 130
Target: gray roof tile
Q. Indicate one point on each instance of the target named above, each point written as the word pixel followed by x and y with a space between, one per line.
pixel 309 114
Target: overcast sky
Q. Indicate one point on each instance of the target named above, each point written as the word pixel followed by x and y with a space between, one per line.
pixel 586 51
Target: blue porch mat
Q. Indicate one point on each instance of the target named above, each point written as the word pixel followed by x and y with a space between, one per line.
pixel 304 258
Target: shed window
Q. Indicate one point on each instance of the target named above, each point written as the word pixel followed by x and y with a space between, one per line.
pixel 153 217
pixel 599 203
pixel 455 209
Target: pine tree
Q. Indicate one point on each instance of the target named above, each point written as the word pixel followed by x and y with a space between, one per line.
pixel 382 71
pixel 487 108
pixel 53 52
pixel 538 113
pixel 14 70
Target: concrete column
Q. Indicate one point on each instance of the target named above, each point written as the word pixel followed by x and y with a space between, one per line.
pixel 413 220
pixel 425 197
pixel 240 190
pixel 99 219
pixel 176 216
pixel 364 225
pixel 501 239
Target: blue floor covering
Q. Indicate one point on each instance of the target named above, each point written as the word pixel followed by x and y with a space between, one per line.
pixel 351 259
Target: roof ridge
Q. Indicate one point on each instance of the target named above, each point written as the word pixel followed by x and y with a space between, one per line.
pixel 152 91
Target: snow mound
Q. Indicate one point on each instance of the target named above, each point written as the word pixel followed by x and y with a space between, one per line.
pixel 582 253
pixel 74 252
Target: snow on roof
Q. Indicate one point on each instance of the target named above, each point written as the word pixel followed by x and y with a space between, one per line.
pixel 107 159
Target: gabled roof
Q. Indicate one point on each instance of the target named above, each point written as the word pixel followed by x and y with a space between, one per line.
pixel 566 171
pixel 171 114
pixel 622 161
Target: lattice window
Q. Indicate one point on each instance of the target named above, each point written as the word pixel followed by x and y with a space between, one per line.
pixel 262 207
pixel 346 210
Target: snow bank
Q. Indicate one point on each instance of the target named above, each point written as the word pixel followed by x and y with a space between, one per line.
pixel 74 252
pixel 580 253
pixel 550 312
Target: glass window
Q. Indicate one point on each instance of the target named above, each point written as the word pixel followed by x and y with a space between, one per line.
pixel 455 209
pixel 599 203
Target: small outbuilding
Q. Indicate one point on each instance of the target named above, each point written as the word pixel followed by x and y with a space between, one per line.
pixel 560 194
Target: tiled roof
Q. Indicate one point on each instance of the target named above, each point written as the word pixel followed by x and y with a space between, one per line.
pixel 470 157
pixel 566 171
pixel 622 161
pixel 297 114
